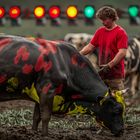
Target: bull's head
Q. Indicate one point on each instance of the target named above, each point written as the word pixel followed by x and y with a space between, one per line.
pixel 110 112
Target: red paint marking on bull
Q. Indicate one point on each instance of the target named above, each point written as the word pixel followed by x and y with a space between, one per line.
pixel 46 46
pixel 4 43
pixel 74 60
pixel 39 63
pixel 52 47
pixel 27 68
pixel 76 96
pixel 59 89
pixel 21 53
pixel 45 89
pixel 43 50
pixel 3 78
pixel 47 66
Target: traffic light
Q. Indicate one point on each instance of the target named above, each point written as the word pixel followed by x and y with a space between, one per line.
pixel 14 13
pixel 133 11
pixel 2 14
pixel 54 13
pixel 89 12
pixel 72 13
pixel 26 13
pixel 39 13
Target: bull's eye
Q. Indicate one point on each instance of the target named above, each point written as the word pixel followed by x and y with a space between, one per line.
pixel 117 110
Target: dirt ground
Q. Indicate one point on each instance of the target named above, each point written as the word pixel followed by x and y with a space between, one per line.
pixel 132 132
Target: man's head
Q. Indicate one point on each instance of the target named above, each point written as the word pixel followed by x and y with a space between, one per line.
pixel 107 12
pixel 108 16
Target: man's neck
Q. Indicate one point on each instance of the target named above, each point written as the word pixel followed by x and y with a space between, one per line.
pixel 112 27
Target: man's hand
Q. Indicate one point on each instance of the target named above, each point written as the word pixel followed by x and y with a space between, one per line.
pixel 104 68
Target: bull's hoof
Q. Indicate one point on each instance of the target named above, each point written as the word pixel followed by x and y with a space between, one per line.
pixel 118 134
pixel 45 137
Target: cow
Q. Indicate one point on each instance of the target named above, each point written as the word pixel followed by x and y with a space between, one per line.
pixel 59 80
pixel 132 65
pixel 78 39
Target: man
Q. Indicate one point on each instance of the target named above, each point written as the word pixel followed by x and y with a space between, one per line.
pixel 111 39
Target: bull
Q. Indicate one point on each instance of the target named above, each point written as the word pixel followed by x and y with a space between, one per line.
pixel 132 65
pixel 58 79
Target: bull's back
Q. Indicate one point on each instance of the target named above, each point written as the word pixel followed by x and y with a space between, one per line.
pixel 16 51
pixel 18 57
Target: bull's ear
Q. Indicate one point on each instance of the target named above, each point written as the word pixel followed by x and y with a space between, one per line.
pixel 99 98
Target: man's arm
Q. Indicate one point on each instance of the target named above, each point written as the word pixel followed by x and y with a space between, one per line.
pixel 87 49
pixel 120 55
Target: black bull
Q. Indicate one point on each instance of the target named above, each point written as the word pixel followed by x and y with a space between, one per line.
pixel 58 79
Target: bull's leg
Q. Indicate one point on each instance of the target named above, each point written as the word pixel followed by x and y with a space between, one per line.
pixel 46 104
pixel 36 117
pixel 138 79
pixel 134 84
pixel 138 83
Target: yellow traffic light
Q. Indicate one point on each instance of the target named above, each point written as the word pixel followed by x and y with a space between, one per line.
pixel 72 11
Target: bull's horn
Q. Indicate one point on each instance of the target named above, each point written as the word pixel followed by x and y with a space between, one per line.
pixel 124 91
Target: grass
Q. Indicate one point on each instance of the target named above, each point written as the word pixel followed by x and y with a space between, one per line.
pixel 29 28
pixel 16 117
pixel 23 117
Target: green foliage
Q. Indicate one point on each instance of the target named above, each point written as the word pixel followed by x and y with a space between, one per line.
pixel 133 115
pixel 72 122
pixel 23 117
pixel 16 117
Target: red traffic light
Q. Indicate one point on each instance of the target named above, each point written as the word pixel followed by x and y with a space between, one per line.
pixel 14 12
pixel 26 13
pixel 39 12
pixel 54 12
pixel 2 12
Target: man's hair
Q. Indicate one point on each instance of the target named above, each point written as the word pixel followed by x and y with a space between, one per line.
pixel 107 12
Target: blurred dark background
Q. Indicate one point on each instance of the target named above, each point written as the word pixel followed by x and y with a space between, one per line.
pixel 28 25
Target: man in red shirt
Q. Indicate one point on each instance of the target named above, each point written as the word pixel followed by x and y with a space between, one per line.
pixel 111 39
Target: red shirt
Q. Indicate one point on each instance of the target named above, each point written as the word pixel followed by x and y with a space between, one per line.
pixel 109 43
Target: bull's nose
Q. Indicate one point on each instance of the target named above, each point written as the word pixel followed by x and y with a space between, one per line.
pixel 118 133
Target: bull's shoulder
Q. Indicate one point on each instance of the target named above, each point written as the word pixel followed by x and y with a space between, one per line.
pixel 67 46
pixel 12 39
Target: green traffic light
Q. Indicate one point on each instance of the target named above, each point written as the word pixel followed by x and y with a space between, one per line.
pixel 89 11
pixel 133 11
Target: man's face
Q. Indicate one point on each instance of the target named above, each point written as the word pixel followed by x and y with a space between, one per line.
pixel 108 23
